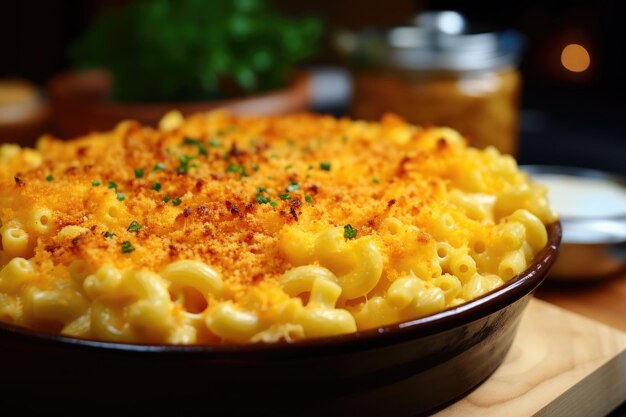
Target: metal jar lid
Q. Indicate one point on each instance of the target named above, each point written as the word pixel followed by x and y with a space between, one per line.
pixel 437 41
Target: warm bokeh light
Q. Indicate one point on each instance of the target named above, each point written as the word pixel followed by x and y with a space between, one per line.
pixel 575 58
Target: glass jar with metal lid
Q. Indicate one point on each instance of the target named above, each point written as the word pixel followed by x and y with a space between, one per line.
pixel 439 72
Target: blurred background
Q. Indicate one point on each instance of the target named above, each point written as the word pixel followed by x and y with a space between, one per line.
pixel 546 83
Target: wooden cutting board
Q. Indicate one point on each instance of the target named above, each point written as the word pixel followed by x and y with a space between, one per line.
pixel 560 364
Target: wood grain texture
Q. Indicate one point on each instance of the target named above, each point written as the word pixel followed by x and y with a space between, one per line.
pixel 560 364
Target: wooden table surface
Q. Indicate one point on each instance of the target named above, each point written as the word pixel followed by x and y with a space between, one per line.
pixel 603 299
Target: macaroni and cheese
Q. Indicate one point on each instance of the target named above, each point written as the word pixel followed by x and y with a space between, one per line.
pixel 225 229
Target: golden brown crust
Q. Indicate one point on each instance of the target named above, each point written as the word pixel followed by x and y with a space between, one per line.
pixel 338 172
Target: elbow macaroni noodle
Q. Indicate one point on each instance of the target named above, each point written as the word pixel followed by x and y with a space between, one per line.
pixel 218 229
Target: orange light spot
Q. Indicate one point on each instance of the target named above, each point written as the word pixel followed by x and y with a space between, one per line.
pixel 575 58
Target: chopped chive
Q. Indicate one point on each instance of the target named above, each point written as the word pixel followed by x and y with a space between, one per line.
pixel 49 178
pixel 96 183
pixel 294 186
pixel 184 164
pixel 376 180
pixel 197 144
pixel 273 203
pixel 308 198
pixel 159 166
pixel 241 169
pixel 284 196
pixel 134 226
pixel 177 201
pixel 325 165
pixel 127 247
pixel 262 199
pixel 139 172
pixel 349 232
pixel 112 185
pixel 156 186
pixel 166 199
pixel 215 143
pixel 121 196
pixel 261 189
pixel 108 235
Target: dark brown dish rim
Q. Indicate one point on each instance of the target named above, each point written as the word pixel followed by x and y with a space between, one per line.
pixel 445 320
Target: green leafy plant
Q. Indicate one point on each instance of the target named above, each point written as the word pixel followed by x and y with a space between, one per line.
pixel 167 50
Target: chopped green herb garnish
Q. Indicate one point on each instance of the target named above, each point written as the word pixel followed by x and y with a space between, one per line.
pixel 159 166
pixel 49 178
pixel 112 185
pixel 261 189
pixel 96 183
pixel 262 199
pixel 177 201
pixel 284 196
pixel 166 198
pixel 215 143
pixel 120 196
pixel 294 186
pixel 197 144
pixel 308 198
pixel 127 247
pixel 376 180
pixel 184 164
pixel 349 232
pixel 255 167
pixel 325 165
pixel 241 169
pixel 109 235
pixel 273 203
pixel 134 226
pixel 139 172
pixel 156 186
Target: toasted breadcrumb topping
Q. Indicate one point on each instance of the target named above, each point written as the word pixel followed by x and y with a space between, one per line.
pixel 221 188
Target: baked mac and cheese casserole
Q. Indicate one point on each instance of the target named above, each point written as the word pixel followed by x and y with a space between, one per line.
pixel 225 229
